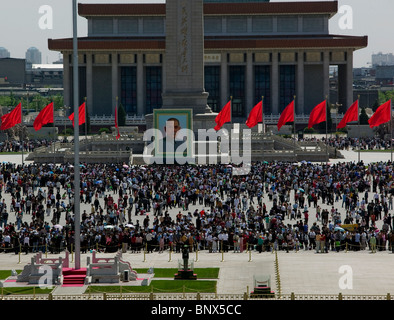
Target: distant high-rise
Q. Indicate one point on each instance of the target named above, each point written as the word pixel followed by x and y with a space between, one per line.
pixel 382 59
pixel 33 56
pixel 4 53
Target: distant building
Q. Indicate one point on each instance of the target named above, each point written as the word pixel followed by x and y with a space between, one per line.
pixel 41 75
pixel 381 59
pixel 252 49
pixel 12 72
pixel 385 75
pixel 33 56
pixel 4 53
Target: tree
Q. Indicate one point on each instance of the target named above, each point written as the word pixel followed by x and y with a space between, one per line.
pixel 376 104
pixel 121 116
pixel 363 117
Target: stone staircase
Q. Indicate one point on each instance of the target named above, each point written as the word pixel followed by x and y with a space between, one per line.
pixel 74 277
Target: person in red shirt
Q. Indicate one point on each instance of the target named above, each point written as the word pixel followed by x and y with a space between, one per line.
pixel 306 217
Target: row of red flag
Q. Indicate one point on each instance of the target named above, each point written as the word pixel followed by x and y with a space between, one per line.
pixel 45 116
pixel 317 115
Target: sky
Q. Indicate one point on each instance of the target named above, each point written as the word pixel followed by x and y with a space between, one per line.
pixel 21 29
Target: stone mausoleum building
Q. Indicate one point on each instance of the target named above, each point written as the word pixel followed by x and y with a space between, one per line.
pixel 251 49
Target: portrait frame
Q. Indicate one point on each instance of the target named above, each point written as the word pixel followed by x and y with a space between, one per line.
pixel 185 118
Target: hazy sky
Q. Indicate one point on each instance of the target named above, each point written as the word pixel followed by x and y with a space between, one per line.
pixel 20 29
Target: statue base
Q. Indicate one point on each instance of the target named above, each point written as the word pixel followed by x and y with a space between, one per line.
pixel 185 275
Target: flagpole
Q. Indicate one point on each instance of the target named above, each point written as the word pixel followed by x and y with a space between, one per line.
pixel 117 124
pixel 294 129
pixel 231 109
pixel 54 162
pixel 358 124
pixel 86 120
pixel 77 218
pixel 21 135
pixel 262 123
pixel 391 130
pixel 327 129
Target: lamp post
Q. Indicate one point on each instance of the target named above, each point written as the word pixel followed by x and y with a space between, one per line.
pixel 77 218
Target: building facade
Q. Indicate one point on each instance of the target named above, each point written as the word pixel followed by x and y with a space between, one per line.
pixel 33 56
pixel 251 50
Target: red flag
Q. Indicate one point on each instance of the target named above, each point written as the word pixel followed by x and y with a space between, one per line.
pixel 318 114
pixel 12 118
pixel 116 122
pixel 256 115
pixel 45 116
pixel 223 116
pixel 287 115
pixel 81 114
pixel 350 115
pixel 381 115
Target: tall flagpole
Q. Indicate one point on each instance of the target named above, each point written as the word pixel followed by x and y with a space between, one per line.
pixel 231 109
pixel 54 162
pixel 294 129
pixel 327 129
pixel 86 119
pixel 77 218
pixel 117 124
pixel 391 130
pixel 22 136
pixel 358 123
pixel 262 123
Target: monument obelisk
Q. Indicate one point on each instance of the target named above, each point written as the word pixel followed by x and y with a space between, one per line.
pixel 183 63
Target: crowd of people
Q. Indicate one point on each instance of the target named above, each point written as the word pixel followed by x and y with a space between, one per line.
pixel 276 206
pixel 345 143
pixel 26 146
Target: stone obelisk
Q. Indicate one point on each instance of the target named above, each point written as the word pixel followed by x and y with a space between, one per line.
pixel 183 63
pixel 184 56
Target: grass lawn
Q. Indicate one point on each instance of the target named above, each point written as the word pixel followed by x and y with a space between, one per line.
pixel 160 286
pixel 202 273
pixel 25 290
pixel 4 274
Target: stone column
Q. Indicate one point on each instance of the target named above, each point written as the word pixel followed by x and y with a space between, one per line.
pixel 115 79
pixel 224 80
pixel 326 74
pixel 300 99
pixel 349 79
pixel 275 83
pixel 89 82
pixel 140 84
pixel 249 83
pixel 184 56
pixel 66 80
